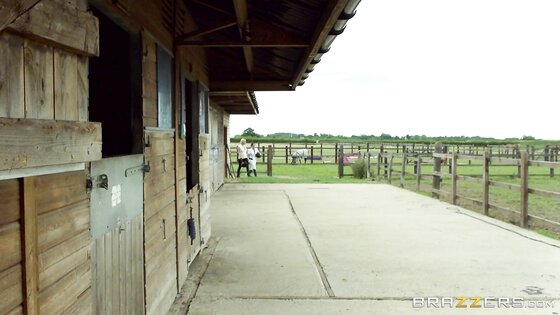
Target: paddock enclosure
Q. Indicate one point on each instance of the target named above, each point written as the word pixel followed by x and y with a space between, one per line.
pixel 114 124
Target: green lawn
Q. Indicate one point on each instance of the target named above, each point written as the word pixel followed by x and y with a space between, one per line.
pixel 302 173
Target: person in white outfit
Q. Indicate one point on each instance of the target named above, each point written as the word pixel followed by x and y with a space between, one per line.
pixel 252 154
pixel 242 157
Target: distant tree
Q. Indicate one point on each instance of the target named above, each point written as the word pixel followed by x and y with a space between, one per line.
pixel 250 132
pixel 385 136
pixel 527 138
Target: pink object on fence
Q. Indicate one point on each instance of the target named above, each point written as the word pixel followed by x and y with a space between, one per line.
pixel 348 158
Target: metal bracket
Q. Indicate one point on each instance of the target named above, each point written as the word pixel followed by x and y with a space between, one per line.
pixel 103 181
pixel 137 169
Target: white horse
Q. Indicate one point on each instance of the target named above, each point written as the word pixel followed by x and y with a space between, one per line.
pixel 299 154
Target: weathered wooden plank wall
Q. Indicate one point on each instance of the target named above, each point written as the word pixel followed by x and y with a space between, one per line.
pixel 39 81
pixel 11 276
pixel 160 243
pixel 118 270
pixel 205 183
pixel 64 243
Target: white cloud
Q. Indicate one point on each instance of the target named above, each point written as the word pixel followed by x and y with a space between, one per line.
pixel 435 67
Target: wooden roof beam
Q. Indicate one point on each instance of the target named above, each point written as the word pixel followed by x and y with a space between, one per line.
pixel 240 43
pixel 330 15
pixel 241 13
pixel 250 85
pixel 207 4
pixel 10 10
pixel 208 30
pixel 263 34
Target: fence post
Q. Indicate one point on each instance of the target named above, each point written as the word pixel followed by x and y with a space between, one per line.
pixel 311 154
pixel 418 172
pixel 367 147
pixel 269 161
pixel 336 153
pixel 551 159
pixel 378 166
pixel 403 165
pixel 436 178
pixel 264 156
pixel 352 147
pixel 524 188
pixel 286 154
pixel 518 156
pixel 368 167
pixel 486 183
pixel 321 150
pixel 454 178
pixel 391 168
pixel 290 148
pixel 341 161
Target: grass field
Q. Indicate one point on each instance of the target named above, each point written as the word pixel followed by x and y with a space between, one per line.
pixel 544 207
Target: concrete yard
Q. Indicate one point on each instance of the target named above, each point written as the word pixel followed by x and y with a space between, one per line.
pixel 363 249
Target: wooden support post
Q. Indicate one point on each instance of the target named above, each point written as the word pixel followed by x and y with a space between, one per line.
pixel 269 161
pixel 352 147
pixel 486 183
pixel 524 188
pixel 312 155
pixel 264 155
pixel 397 148
pixel 454 178
pixel 418 172
pixel 336 153
pixel 287 155
pixel 341 161
pixel 290 149
pixel 367 147
pixel 436 179
pixel 321 150
pixel 30 247
pixel 391 168
pixel 403 166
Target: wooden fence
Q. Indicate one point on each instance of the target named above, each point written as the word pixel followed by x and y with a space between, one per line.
pixel 386 168
pixel 326 153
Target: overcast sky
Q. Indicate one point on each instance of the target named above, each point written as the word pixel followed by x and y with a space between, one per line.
pixel 433 67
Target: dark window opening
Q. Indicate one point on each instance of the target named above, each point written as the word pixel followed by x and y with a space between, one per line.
pixel 115 81
pixel 192 121
pixel 203 112
pixel 164 82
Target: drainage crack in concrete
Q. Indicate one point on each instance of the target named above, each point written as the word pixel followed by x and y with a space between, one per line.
pixel 318 264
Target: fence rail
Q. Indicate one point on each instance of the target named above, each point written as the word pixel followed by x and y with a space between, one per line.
pixel 386 168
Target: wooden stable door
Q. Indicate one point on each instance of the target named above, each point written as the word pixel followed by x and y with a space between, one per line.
pixel 117 232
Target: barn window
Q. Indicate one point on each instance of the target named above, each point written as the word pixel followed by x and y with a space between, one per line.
pixel 115 88
pixel 203 113
pixel 164 73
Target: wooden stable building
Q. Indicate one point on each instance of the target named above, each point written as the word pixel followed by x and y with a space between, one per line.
pixel 114 124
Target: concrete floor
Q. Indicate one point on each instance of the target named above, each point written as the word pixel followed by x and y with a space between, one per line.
pixel 362 249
